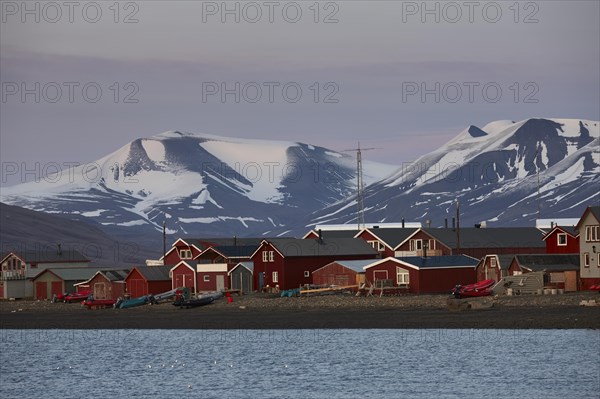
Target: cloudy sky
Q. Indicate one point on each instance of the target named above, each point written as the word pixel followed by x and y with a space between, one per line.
pixel 80 81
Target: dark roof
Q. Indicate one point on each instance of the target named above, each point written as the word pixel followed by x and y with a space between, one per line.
pixel 248 265
pixel 72 273
pixel 596 212
pixel 505 261
pixel 495 237
pixel 49 255
pixel 550 262
pixel 116 274
pixel 336 233
pixel 239 251
pixel 356 265
pixel 155 273
pixel 567 229
pixel 204 243
pixel 393 236
pixel 325 247
pixel 440 261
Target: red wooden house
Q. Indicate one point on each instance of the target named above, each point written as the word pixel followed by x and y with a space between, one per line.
pixel 191 248
pixel 281 264
pixel 562 240
pixel 183 274
pixel 341 273
pixel 145 280
pixel 419 275
pixel 493 267
pixel 52 282
pixel 106 284
pixel 386 240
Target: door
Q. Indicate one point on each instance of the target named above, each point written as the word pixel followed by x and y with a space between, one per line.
pixel 41 290
pixel 57 288
pixel 100 291
pixel 246 281
pixel 261 280
pixel 570 281
pixel 220 282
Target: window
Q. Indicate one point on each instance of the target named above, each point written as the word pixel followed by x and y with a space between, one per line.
pixel 185 254
pixel 275 277
pixel 591 233
pixel 598 260
pixel 402 276
pixel 206 278
pixel 517 273
pixel 492 262
pixel 306 273
pixel 271 256
pixel 34 265
pixel 562 239
pixel 416 245
pixel 586 259
pixel 268 256
pixel 432 244
pixel 377 245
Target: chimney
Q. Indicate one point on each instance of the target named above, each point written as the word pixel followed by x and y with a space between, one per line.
pixel 453 223
pixel 59 249
pixel 477 225
pixel 428 222
pixel 320 235
pixel 446 223
pixel 551 225
pixel 402 222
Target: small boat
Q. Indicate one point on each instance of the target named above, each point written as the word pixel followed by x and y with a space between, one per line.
pixel 480 288
pixel 178 293
pixel 201 300
pixel 77 296
pixel 133 302
pixel 92 303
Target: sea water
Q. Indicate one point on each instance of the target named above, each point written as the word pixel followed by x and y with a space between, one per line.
pixel 435 363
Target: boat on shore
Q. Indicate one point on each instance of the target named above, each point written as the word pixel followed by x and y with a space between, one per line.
pixel 133 302
pixel 201 300
pixel 180 293
pixel 480 288
pixel 92 303
pixel 77 296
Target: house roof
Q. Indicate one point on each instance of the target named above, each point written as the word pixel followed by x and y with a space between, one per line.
pixel 71 273
pixel 497 237
pixel 154 273
pixel 393 236
pixel 204 243
pixel 594 210
pixel 566 229
pixel 334 233
pixel 326 247
pixel 237 251
pixel 247 265
pixel 433 262
pixel 356 265
pixel 48 255
pixel 550 262
pixel 109 274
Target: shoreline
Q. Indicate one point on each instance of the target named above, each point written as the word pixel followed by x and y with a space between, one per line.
pixel 323 312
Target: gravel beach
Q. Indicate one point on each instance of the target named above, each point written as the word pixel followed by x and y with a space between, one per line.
pixel 262 311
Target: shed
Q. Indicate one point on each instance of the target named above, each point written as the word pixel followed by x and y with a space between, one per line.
pixel 52 282
pixel 559 271
pixel 144 280
pixel 107 284
pixel 493 267
pixel 183 274
pixel 341 273
pixel 212 276
pixel 240 277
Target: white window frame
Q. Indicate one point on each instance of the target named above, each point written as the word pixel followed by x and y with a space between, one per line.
pixel 402 276
pixel 413 244
pixel 275 277
pixel 271 256
pixel 517 273
pixel 265 256
pixel 185 253
pixel 206 278
pixel 558 237
pixel 431 244
pixel 493 262
pixel 591 233
pixel 306 273
pixel 586 259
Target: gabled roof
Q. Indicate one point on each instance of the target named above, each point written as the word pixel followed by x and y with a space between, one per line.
pixel 231 251
pixel 71 273
pixel 495 237
pixel 549 262
pixel 48 255
pixel 247 265
pixel 190 264
pixel 594 210
pixel 356 265
pixel 333 233
pixel 314 247
pixel 436 262
pixel 114 275
pixel 392 237
pixel 570 230
pixel 153 273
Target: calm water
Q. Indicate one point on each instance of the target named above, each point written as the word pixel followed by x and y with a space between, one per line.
pixel 299 364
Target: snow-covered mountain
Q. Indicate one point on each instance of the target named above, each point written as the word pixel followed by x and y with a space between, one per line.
pixel 495 173
pixel 199 185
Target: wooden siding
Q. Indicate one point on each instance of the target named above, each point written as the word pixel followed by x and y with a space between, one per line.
pixel 552 246
pixel 183 276
pixel 368 236
pixel 486 271
pixel 335 274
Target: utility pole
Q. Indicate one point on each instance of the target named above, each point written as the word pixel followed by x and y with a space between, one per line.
pixel 458 225
pixel 164 240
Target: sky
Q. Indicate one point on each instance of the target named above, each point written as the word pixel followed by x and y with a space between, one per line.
pixel 83 79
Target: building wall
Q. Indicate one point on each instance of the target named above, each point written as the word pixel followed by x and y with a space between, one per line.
pixel 444 280
pixel 552 246
pixel 404 249
pixel 211 284
pixel 387 270
pixel 367 236
pixel 53 286
pixel 485 270
pixel 335 274
pixel 593 271
pixel 173 258
pixel 104 289
pixel 183 276
pixel 135 284
pixel 479 253
pixel 241 279
pixel 267 268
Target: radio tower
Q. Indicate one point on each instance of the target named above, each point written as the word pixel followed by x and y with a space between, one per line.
pixel 360 186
